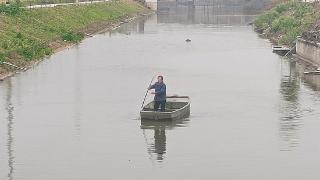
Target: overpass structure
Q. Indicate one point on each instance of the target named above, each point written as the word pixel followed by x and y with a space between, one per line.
pixel 226 12
pixel 257 4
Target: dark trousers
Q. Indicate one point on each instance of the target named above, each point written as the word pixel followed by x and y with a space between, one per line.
pixel 162 105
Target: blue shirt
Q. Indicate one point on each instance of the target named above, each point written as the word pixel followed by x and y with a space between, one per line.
pixel 160 91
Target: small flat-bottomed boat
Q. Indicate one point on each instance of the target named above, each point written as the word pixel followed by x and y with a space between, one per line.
pixel 280 50
pixel 177 107
pixel 317 72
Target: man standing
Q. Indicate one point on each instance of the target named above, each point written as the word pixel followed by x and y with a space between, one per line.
pixel 160 94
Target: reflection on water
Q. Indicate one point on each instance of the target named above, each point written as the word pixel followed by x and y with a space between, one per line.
pixel 157 144
pixel 77 97
pixel 135 27
pixel 298 69
pixel 290 110
pixel 10 117
pixel 311 80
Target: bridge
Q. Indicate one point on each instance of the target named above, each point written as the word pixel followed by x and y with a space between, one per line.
pixel 206 12
pixel 253 4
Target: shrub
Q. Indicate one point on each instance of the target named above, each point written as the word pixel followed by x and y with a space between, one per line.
pixel 11 9
pixel 72 36
pixel 265 20
pixel 2 57
pixel 19 36
pixel 301 9
pixel 282 8
pixel 5 45
pixel 35 51
pixel 284 24
pixel 290 36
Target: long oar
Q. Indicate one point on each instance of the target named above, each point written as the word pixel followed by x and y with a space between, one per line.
pixel 145 96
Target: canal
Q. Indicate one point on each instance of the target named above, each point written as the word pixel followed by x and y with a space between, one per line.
pixel 76 115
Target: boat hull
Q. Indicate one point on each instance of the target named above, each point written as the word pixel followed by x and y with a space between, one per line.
pixel 174 110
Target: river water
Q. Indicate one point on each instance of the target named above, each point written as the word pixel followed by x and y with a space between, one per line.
pixel 76 115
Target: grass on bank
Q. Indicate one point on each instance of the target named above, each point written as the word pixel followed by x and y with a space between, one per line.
pixel 26 34
pixel 287 20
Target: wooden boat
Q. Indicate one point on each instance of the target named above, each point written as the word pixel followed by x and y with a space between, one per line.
pixel 177 107
pixel 280 50
pixel 317 72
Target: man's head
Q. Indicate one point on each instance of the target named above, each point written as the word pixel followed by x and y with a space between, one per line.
pixel 160 79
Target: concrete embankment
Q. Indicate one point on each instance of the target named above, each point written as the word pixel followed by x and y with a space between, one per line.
pixel 308 51
pixel 29 35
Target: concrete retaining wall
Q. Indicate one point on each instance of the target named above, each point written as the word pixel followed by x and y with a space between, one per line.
pixel 308 50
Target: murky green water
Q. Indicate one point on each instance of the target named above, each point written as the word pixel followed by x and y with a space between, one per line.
pixel 76 115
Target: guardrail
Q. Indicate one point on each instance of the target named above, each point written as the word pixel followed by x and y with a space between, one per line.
pixel 50 5
pixel 30 4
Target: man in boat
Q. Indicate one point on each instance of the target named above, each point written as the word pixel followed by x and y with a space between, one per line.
pixel 160 94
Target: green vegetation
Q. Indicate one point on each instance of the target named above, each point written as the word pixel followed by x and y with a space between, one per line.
pixel 13 9
pixel 72 36
pixel 2 57
pixel 287 20
pixel 27 35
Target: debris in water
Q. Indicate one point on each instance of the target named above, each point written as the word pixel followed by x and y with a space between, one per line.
pixel 89 35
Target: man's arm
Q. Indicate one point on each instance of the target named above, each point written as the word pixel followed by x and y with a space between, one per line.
pixel 152 86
